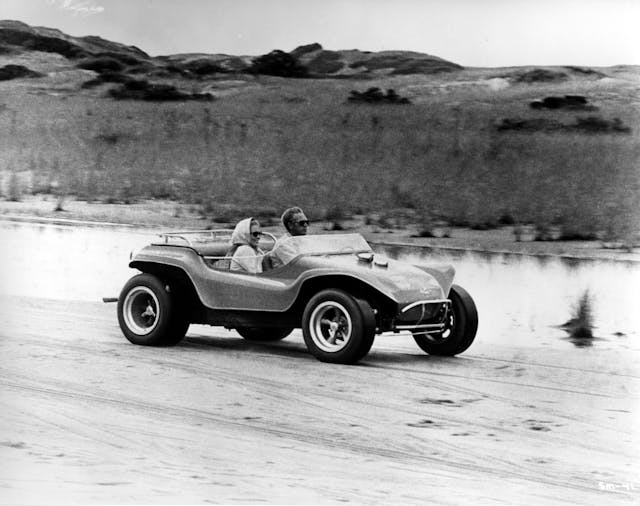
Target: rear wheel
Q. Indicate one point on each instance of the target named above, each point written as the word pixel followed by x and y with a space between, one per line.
pixel 337 327
pixel 260 334
pixel 460 330
pixel 149 314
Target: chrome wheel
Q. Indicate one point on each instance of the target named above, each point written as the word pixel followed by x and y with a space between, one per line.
pixel 330 326
pixel 141 310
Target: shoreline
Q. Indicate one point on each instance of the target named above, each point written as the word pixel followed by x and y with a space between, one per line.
pixel 176 216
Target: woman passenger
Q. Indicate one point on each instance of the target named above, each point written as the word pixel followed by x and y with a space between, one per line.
pixel 244 252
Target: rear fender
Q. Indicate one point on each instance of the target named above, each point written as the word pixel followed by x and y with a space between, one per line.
pixel 179 283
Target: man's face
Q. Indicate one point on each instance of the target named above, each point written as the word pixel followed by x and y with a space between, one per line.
pixel 299 224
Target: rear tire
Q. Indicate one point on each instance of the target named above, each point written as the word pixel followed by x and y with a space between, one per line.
pixel 337 327
pixel 462 324
pixel 149 314
pixel 263 335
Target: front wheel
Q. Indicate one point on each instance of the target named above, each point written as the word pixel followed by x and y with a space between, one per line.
pixel 264 335
pixel 460 330
pixel 149 314
pixel 337 327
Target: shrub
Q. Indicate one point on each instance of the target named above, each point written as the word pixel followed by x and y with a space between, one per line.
pixel 143 90
pixel 101 64
pixel 595 124
pixel 424 66
pixel 541 76
pixel 9 72
pixel 529 125
pixel 581 323
pixel 123 58
pixel 278 63
pixel 376 96
pixel 309 48
pixel 571 102
pixel 203 67
pixel 585 71
pixel 590 124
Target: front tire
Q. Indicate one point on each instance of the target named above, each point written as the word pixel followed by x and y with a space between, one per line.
pixel 263 335
pixel 462 324
pixel 337 327
pixel 149 314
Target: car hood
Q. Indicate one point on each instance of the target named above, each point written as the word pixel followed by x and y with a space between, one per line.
pixel 401 281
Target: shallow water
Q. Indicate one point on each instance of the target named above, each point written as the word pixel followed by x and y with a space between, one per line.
pixel 525 298
pixel 521 300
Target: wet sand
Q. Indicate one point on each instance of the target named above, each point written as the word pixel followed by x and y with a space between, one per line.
pixel 87 418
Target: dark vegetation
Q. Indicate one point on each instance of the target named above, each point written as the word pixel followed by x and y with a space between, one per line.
pixel 541 76
pixel 568 102
pixel 203 67
pixel 102 64
pixel 589 124
pixel 9 72
pixel 278 63
pixel 585 71
pixel 305 49
pixel 580 325
pixel 376 96
pixel 134 89
pixel 326 62
pixel 402 65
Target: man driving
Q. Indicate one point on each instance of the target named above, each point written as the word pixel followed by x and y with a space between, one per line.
pixel 284 250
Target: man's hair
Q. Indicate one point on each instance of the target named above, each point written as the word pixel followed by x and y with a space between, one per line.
pixel 289 214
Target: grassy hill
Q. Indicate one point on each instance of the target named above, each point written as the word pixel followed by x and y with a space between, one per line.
pixel 468 148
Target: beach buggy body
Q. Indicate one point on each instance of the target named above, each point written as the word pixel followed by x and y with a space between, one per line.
pixel 336 289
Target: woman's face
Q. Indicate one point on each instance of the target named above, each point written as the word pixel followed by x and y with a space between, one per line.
pixel 254 238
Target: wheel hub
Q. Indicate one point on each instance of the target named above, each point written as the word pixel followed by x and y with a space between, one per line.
pixel 141 310
pixel 330 326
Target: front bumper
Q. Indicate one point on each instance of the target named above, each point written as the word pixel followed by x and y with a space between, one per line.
pixel 422 317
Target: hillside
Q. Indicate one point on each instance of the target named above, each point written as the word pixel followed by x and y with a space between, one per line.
pixel 17 37
pixel 551 146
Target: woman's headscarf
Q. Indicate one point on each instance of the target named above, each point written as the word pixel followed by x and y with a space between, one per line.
pixel 242 235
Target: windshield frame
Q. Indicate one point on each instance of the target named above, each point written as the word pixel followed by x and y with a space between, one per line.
pixel 322 245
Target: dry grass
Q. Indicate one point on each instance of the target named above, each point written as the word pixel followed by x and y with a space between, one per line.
pixel 278 143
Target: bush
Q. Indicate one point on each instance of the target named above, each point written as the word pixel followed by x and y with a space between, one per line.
pixel 541 76
pixel 9 72
pixel 143 90
pixel 571 102
pixel 594 124
pixel 203 67
pixel 101 64
pixel 590 124
pixel 302 50
pixel 581 323
pixel 123 58
pixel 376 96
pixel 278 63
